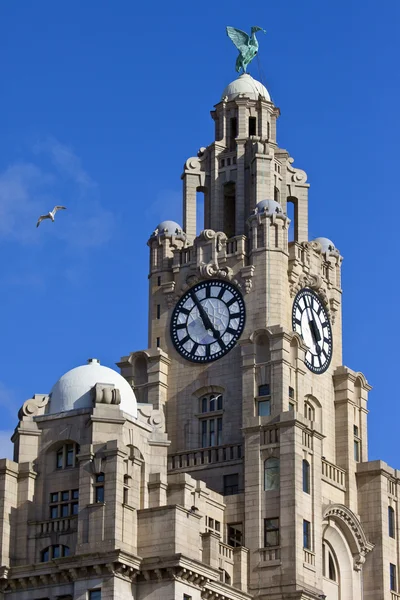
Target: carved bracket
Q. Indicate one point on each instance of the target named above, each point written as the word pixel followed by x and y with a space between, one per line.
pixel 31 407
pixel 105 394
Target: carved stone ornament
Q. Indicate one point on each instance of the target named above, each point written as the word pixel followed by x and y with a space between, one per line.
pixel 153 417
pixel 315 282
pixel 348 523
pixel 31 407
pixel 298 175
pixel 105 394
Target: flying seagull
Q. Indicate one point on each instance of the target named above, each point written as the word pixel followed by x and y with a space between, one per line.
pixel 50 215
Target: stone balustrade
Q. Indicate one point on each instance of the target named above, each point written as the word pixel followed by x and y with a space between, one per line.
pixel 270 554
pixel 204 456
pixel 63 525
pixel 333 474
pixel 309 557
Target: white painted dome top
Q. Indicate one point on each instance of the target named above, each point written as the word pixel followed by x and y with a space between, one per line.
pixel 326 244
pixel 73 390
pixel 247 86
pixel 269 207
pixel 168 228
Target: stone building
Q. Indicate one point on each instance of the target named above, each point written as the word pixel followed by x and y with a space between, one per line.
pixel 228 460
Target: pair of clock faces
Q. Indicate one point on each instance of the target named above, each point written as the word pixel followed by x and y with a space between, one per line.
pixel 210 317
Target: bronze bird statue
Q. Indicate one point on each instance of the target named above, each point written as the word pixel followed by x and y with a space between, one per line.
pixel 247 45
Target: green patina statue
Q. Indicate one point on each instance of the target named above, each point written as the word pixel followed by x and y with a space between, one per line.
pixel 247 45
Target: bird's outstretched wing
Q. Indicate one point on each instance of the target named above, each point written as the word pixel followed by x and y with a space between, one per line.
pixel 41 218
pixel 56 208
pixel 238 37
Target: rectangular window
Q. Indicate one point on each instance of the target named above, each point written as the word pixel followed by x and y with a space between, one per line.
pixel 158 342
pixel 263 390
pixel 186 597
pixel 355 429
pixel 61 505
pixel 158 281
pixel 158 311
pixel 233 133
pixel 231 484
pixel 264 408
pixel 252 126
pixel 204 405
pixel 357 450
pixel 60 459
pixel 271 532
pixel 95 595
pixel 235 535
pixel 219 402
pixel 212 404
pixel 291 406
pixel 212 432
pixel 307 534
pixel 393 578
pixel 70 455
pixel 291 392
pixel 53 512
pixel 219 432
pixel 204 434
pixel 391 522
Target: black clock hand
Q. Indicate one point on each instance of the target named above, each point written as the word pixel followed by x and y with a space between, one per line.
pixel 313 328
pixel 205 318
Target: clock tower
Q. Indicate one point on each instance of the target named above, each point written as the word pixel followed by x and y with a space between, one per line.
pixel 245 331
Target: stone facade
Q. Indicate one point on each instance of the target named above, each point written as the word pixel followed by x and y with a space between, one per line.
pixel 246 477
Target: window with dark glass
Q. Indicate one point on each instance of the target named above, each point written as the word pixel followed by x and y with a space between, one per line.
pixel 231 484
pixel 271 474
pixel 391 522
pixel 55 551
pixel 234 534
pixel 291 392
pixel 67 456
pixel 186 597
pixel 393 578
pixel 99 488
pixel 64 504
pixel 263 401
pixel 357 444
pixel 211 403
pixel 233 133
pixel 252 125
pixel 263 390
pixel 331 568
pixel 307 534
pixel 306 476
pixel 158 311
pixel 271 532
pixel 95 594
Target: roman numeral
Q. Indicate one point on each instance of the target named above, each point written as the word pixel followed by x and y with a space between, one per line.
pixel 180 326
pixel 297 321
pixel 231 301
pixel 232 331
pixel 184 340
pixel 326 340
pixel 235 315
pixel 208 291
pixel 221 293
pixel 325 324
pixel 194 349
pixel 208 350
pixel 185 311
pixel 221 344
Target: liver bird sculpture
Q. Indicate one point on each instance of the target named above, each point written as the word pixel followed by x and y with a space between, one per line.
pixel 246 44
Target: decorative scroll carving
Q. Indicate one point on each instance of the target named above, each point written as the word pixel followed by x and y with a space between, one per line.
pixel 153 417
pixel 247 274
pixel 298 175
pixel 31 407
pixel 106 394
pixel 356 537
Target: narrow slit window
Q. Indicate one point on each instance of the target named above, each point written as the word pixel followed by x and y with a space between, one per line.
pixel 252 126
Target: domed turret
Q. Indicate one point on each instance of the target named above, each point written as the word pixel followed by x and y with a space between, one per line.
pixel 269 207
pixel 246 86
pixel 168 228
pixel 327 245
pixel 74 389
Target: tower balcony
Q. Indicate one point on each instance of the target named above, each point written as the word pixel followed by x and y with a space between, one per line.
pixel 200 457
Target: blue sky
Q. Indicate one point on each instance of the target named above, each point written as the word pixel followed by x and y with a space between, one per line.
pixel 100 105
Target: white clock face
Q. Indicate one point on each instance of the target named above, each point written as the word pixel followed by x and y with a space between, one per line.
pixel 207 321
pixel 310 320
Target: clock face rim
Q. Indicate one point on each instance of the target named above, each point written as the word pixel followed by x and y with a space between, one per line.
pixel 310 366
pixel 201 360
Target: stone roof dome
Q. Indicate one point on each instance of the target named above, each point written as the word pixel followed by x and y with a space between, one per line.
pixel 168 228
pixel 247 86
pixel 73 390
pixel 326 244
pixel 269 207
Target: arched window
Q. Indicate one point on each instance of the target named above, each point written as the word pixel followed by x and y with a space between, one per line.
pixel 391 522
pixel 271 474
pixel 306 476
pixel 55 551
pixel 331 568
pixel 309 411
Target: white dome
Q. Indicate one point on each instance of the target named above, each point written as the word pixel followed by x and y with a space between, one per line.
pixel 269 206
pixel 246 85
pixel 326 244
pixel 73 390
pixel 168 228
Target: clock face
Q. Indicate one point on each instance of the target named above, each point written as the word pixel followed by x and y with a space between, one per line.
pixel 207 321
pixel 310 320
